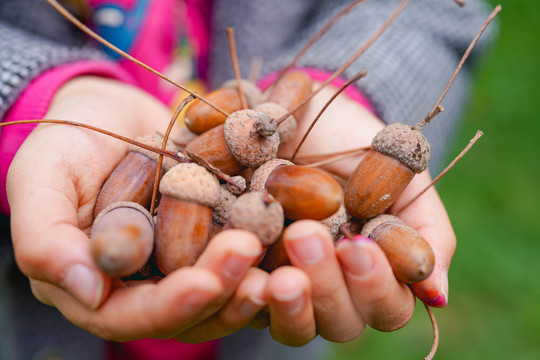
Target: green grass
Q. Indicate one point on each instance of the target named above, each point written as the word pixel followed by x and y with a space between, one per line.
pixel 492 197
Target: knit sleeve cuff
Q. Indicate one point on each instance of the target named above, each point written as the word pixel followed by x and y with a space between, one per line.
pixel 34 102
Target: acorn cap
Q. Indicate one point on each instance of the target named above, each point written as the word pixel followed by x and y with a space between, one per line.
pixel 404 144
pixel 252 92
pixel 242 185
pixel 260 176
pixel 242 132
pixel 156 140
pixel 123 204
pixel 379 220
pixel 287 128
pixel 222 210
pixel 334 222
pixel 259 213
pixel 191 182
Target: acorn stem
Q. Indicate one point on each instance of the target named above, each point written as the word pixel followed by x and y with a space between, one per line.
pixel 255 69
pixel 177 112
pixel 236 68
pixel 434 110
pixel 435 334
pixel 339 71
pixel 156 150
pixel 323 159
pixel 316 37
pixel 450 166
pixel 339 91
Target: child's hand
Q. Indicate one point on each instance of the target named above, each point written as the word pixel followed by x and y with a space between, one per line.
pixel 52 187
pixel 352 285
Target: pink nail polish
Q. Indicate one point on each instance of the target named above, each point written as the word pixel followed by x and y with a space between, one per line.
pixel 360 238
pixel 434 298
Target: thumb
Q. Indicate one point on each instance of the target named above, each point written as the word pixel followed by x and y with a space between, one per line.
pixel 428 216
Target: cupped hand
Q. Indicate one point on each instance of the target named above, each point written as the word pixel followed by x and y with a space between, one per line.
pixel 352 284
pixel 52 187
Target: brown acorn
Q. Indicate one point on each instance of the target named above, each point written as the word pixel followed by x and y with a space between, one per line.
pixel 290 90
pixel 200 117
pixel 398 152
pixel 247 139
pixel 122 238
pixel 133 177
pixel 409 254
pixel 189 192
pixel 304 192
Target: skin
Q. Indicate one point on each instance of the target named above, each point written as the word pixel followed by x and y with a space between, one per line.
pixel 325 292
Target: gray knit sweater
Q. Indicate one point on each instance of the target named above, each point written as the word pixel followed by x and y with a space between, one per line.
pixel 408 68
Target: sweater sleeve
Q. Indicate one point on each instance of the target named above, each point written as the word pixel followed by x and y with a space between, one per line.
pixel 408 66
pixel 24 56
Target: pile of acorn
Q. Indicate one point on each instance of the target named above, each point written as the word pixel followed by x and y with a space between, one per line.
pixel 262 194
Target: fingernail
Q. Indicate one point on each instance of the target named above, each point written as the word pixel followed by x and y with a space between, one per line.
pixel 444 286
pixel 438 297
pixel 236 265
pixel 84 284
pixel 251 306
pixel 290 302
pixel 306 246
pixel 198 299
pixel 356 256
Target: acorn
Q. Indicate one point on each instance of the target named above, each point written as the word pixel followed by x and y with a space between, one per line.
pixel 133 178
pixel 259 213
pixel 397 153
pixel 291 90
pixel 122 238
pixel 200 117
pixel 287 128
pixel 188 194
pixel 247 139
pixel 304 192
pixel 409 254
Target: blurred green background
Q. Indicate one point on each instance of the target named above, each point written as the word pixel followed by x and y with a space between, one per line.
pixel 493 197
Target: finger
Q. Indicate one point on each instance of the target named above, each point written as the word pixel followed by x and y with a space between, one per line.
pixel 437 230
pixel 291 312
pixel 49 208
pixel 51 248
pixel 311 249
pixel 384 303
pixel 229 255
pixel 248 300
pixel 160 310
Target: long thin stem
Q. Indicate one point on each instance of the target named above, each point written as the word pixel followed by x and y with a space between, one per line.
pixel 101 40
pixel 255 69
pixel 316 37
pixel 174 118
pixel 236 68
pixel 156 150
pixel 435 334
pixel 340 90
pixel 309 160
pixel 433 110
pixel 339 71
pixel 450 166
pixel 337 158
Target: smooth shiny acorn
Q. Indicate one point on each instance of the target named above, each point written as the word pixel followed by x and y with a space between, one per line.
pixel 398 152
